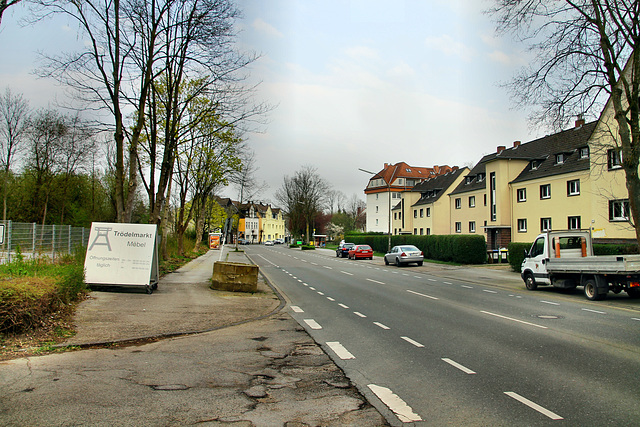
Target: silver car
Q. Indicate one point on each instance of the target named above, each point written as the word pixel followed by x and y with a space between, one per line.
pixel 404 254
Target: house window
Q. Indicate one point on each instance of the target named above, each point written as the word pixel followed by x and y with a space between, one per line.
pixel 376 209
pixel 584 153
pixel 411 182
pixel 559 159
pixel 395 215
pixel 522 225
pixel 472 201
pixel 573 187
pixel 545 224
pixel 492 188
pixel 421 231
pixel 428 212
pixel 485 200
pixel 468 180
pixel 614 158
pixel 415 231
pixel 458 203
pixel 480 177
pixel 534 165
pixel 428 231
pixel 415 214
pixel 376 221
pixel 458 227
pixel 421 213
pixel 619 210
pixel 574 223
pixel 472 226
pixel 522 194
pixel 377 196
pixel 545 191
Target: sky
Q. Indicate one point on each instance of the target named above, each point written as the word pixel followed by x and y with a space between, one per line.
pixel 354 84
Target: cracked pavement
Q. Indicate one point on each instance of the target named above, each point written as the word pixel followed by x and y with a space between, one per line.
pixel 265 372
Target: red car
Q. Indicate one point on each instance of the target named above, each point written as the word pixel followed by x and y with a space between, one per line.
pixel 361 251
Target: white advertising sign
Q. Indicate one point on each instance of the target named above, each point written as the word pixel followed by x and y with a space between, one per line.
pixel 122 254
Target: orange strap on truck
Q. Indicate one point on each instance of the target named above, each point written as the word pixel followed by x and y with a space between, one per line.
pixel 557 248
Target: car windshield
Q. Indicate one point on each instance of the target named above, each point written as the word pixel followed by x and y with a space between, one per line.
pixel 348 245
pixel 409 249
pixel 364 247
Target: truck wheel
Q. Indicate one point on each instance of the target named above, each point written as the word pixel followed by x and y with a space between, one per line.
pixel 633 293
pixel 530 282
pixel 591 291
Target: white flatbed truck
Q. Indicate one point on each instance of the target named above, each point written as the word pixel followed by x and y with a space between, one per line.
pixel 564 259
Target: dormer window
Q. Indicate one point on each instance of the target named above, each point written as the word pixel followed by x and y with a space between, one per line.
pixel 408 170
pixel 560 157
pixel 584 153
pixel 534 165
pixel 469 179
pixel 480 177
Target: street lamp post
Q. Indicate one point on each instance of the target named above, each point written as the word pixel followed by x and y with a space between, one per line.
pixel 389 213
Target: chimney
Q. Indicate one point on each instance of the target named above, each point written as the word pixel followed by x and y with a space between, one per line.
pixel 516 144
pixel 501 148
pixel 580 121
pixel 385 165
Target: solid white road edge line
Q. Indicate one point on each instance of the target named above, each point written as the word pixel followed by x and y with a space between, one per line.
pixel 409 340
pixel 393 402
pixel 422 295
pixel 514 320
pixel 533 405
pixel 312 324
pixel 459 366
pixel 340 351
pixel 297 309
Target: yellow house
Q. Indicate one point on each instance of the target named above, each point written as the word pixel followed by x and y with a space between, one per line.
pixel 273 224
pixel 431 213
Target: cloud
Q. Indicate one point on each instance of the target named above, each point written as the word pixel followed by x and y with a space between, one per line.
pixel 401 70
pixel 361 52
pixel 447 45
pixel 268 29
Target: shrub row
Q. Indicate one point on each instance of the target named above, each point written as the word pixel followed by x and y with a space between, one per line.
pixel 458 248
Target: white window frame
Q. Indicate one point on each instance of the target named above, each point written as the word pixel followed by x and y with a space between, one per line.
pixel 573 187
pixel 543 222
pixel 472 201
pixel 614 161
pixel 458 227
pixel 623 209
pixel 472 226
pixel 573 222
pixel 521 194
pixel 458 203
pixel 428 212
pixel 522 225
pixel 559 158
pixel 546 194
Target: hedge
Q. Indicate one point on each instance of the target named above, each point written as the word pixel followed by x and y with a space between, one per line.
pixel 458 248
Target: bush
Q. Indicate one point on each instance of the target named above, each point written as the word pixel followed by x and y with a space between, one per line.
pixel 462 249
pixel 307 247
pixel 516 254
pixel 612 249
pixel 32 291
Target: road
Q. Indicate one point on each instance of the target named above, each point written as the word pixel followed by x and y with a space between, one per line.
pixel 434 351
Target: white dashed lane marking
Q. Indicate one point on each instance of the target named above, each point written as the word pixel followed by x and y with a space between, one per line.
pixel 459 366
pixel 533 405
pixel 381 325
pixel 410 341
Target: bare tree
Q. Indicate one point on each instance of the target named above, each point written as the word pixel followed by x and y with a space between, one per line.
pixel 585 56
pixel 5 4
pixel 302 197
pixel 335 198
pixel 14 116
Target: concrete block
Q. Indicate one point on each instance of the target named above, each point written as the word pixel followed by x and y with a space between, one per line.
pixel 234 277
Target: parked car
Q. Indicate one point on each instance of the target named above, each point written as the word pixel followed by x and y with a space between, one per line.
pixel 343 250
pixel 268 243
pixel 361 251
pixel 404 254
pixel 243 241
pixel 279 241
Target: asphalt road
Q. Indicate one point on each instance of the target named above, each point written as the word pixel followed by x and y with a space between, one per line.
pixel 441 351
